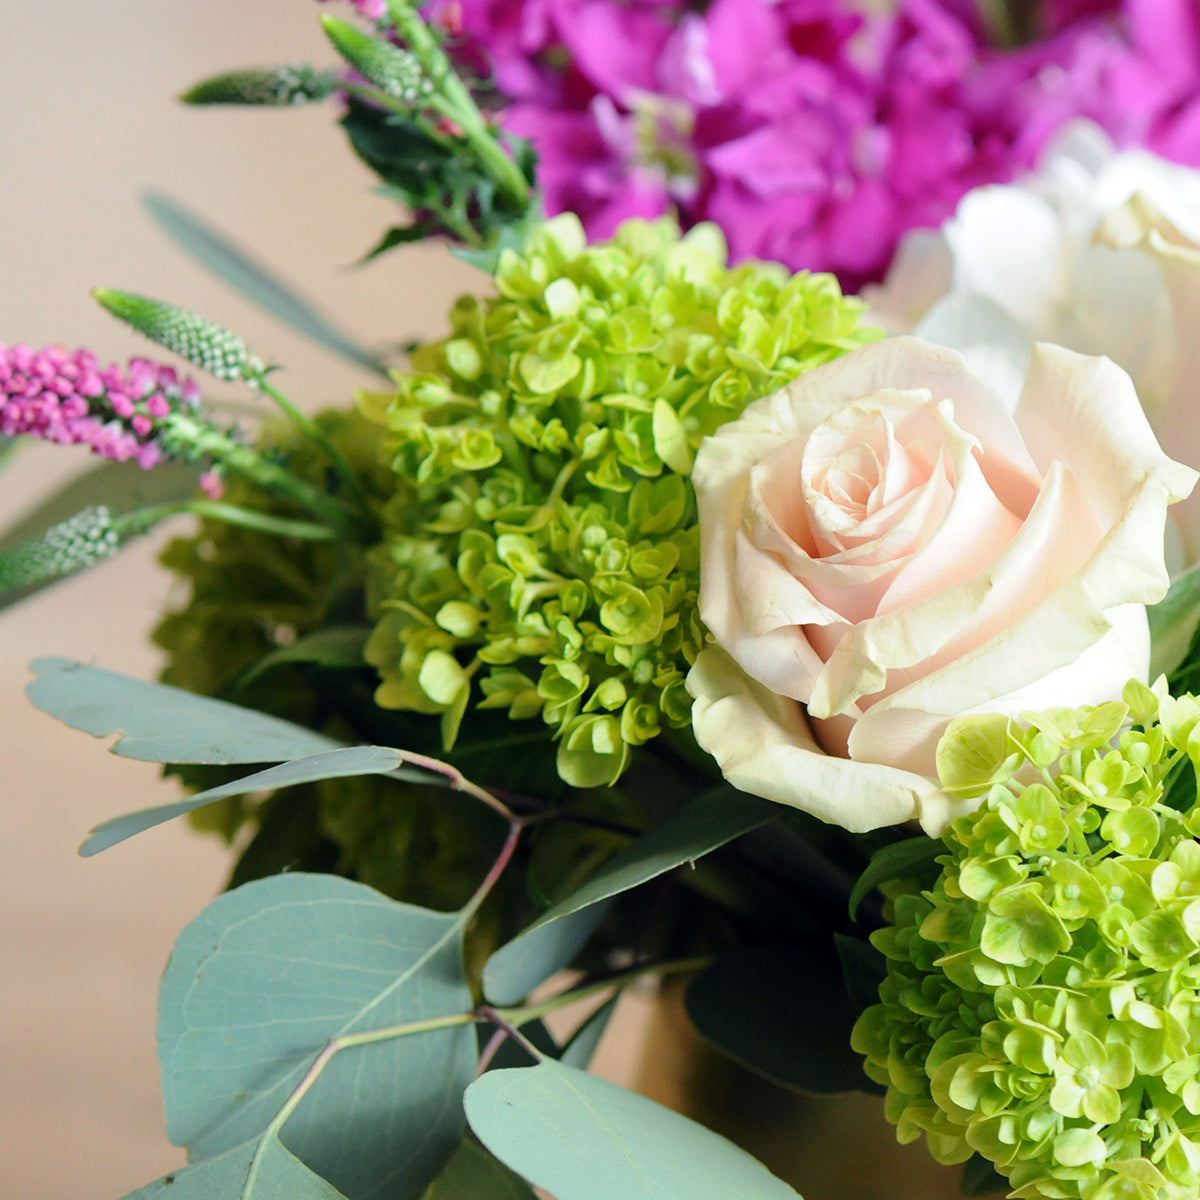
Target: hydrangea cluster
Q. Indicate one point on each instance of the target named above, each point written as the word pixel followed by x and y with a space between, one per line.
pixel 542 557
pixel 815 134
pixel 70 398
pixel 1042 999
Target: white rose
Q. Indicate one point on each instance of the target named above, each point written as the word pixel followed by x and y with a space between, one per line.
pixel 885 547
pixel 1098 251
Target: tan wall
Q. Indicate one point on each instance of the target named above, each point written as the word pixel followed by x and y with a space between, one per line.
pixel 88 123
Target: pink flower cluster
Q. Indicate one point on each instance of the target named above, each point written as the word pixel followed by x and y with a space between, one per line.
pixel 373 10
pixel 816 132
pixel 68 397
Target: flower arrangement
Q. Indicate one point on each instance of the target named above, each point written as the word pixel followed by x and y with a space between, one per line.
pixel 680 615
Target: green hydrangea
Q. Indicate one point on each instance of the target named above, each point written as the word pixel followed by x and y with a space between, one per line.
pixel 546 560
pixel 1042 999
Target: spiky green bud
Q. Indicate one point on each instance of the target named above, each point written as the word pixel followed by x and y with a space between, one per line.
pixel 79 542
pixel 394 70
pixel 1042 1000
pixel 264 86
pixel 200 341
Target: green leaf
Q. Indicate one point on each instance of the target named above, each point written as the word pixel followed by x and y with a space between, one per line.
pixel 863 968
pixel 253 280
pixel 582 1045
pixel 165 724
pixel 120 487
pixel 258 984
pixel 689 833
pixel 583 1138
pixel 329 764
pixel 913 856
pixel 258 1170
pixel 340 647
pixel 473 1174
pixel 1173 623
pixel 781 1011
pixel 980 1178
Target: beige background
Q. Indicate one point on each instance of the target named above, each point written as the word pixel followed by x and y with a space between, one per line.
pixel 89 123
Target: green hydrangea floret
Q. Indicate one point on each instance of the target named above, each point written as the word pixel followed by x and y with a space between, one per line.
pixel 1042 999
pixel 541 555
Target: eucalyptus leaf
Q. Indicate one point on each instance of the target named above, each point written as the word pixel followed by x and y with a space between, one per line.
pixel 914 855
pixel 258 1170
pixel 120 487
pixel 474 1174
pixel 157 723
pixel 1173 623
pixel 329 764
pixel 689 833
pixel 261 981
pixel 583 1138
pixel 581 1046
pixel 781 1011
pixel 252 280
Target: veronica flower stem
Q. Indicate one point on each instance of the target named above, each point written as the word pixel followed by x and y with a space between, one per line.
pixel 206 441
pixel 452 99
pixel 312 431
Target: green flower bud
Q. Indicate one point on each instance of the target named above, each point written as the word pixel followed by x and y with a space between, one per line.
pixel 201 342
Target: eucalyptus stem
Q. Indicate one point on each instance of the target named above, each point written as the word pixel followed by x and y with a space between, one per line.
pixel 522 1014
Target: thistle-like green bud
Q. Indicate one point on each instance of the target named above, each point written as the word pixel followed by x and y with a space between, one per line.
pixel 1042 1000
pixel 272 87
pixel 394 70
pixel 79 542
pixel 202 342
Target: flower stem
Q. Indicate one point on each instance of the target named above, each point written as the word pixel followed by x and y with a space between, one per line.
pixel 186 432
pixel 312 431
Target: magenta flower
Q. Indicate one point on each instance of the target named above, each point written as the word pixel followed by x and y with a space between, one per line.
pixel 69 398
pixel 817 132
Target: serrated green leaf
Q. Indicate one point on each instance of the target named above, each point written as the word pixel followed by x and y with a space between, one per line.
pixel 1173 623
pixel 258 984
pixel 689 833
pixel 782 1012
pixel 474 1174
pixel 583 1138
pixel 253 280
pixel 259 1170
pixel 342 763
pixel 157 723
pixel 911 856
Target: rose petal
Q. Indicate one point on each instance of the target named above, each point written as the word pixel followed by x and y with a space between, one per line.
pixel 764 746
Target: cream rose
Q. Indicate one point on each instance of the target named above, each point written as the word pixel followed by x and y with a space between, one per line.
pixel 884 546
pixel 1098 250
